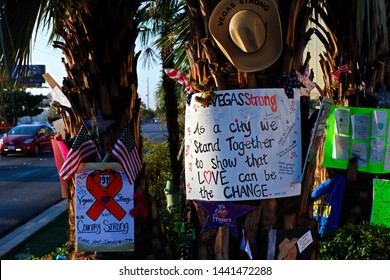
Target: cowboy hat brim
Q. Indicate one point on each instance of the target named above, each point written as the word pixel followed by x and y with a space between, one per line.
pixel 269 52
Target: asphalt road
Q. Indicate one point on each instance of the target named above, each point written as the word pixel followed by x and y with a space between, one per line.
pixel 157 132
pixel 29 184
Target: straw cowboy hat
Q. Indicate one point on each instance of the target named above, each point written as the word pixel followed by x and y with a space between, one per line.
pixel 248 32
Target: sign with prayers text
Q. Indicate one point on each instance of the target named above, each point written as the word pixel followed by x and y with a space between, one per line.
pixel 362 133
pixel 104 198
pixel 244 146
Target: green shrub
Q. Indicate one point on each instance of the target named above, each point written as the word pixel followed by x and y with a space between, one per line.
pixel 356 242
pixel 158 170
pixel 62 251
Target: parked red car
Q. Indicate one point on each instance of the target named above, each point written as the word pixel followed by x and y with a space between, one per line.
pixel 27 139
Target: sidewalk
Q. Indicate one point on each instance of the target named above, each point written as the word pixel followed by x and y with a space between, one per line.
pixel 19 235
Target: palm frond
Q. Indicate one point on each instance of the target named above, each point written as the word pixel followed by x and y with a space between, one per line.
pixel 17 22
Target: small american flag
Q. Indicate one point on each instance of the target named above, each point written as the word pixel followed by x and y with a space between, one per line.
pixel 244 246
pixel 340 69
pixel 125 151
pixel 83 147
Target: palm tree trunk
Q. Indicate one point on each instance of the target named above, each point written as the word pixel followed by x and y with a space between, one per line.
pixel 206 60
pixel 172 114
pixel 99 41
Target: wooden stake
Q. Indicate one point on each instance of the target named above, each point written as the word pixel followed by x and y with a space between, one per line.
pixel 52 83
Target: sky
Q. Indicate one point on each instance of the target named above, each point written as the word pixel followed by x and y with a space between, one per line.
pixel 47 55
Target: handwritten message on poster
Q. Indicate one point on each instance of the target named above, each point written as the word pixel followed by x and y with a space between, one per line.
pixel 362 133
pixel 244 146
pixel 104 198
pixel 380 213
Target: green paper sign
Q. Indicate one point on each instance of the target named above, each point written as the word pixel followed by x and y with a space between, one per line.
pixel 380 213
pixel 362 133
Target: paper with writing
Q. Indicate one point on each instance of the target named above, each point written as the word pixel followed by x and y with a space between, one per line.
pixel 250 151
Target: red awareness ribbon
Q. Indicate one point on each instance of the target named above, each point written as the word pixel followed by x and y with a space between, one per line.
pixel 105 195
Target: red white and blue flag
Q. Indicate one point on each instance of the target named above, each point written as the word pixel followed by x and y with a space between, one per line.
pixel 125 151
pixel 341 69
pixel 244 246
pixel 82 148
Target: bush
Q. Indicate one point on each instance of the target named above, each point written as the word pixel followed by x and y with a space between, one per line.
pixel 356 242
pixel 158 170
pixel 59 251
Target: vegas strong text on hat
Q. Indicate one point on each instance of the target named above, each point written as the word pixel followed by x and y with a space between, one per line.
pixel 248 32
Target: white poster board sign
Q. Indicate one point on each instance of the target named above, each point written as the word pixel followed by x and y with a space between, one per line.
pixel 104 198
pixel 246 145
